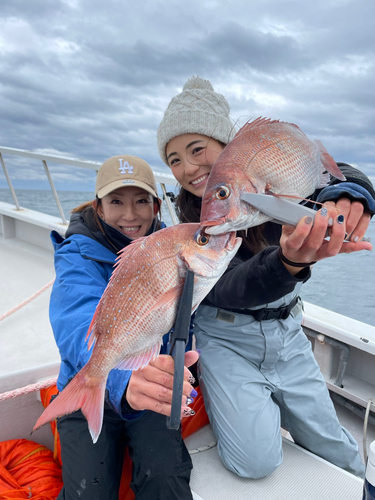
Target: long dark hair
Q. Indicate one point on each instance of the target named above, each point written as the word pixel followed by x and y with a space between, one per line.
pixel 188 208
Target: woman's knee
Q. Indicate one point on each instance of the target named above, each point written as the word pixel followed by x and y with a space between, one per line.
pixel 254 463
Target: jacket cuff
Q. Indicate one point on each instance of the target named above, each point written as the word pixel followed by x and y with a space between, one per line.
pixel 348 190
pixel 282 273
pixel 127 412
pixel 117 384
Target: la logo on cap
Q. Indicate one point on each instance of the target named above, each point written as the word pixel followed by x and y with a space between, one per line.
pixel 125 168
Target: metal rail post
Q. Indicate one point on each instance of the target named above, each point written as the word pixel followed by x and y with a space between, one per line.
pixel 56 196
pixel 169 205
pixel 9 183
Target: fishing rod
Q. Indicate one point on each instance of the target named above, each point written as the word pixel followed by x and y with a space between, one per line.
pixel 177 341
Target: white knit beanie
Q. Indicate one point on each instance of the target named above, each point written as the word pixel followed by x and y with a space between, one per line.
pixel 197 110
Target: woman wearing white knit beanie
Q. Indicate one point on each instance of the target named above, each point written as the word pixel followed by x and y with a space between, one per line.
pixel 256 364
pixel 197 110
pixel 203 113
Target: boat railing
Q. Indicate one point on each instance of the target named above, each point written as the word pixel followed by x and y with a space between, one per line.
pixel 335 337
pixel 161 178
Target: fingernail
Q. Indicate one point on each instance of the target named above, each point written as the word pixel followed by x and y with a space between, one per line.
pixel 193 393
pixel 189 401
pixel 330 222
pixel 191 379
pixel 198 351
pixel 187 412
pixel 324 212
pixel 355 239
pixel 340 219
pixel 308 220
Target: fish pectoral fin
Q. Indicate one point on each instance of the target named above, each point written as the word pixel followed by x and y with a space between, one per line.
pixel 167 298
pixel 141 360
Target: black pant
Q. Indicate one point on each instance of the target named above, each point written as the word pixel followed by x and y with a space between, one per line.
pixel 161 462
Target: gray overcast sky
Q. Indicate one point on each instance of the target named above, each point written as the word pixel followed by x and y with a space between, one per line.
pixel 91 79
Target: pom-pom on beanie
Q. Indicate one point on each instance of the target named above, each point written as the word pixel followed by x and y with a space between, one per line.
pixel 197 110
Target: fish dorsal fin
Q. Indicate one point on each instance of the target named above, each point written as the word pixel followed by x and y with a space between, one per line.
pixel 126 253
pixel 250 125
pixel 329 163
pixel 92 329
pixel 141 360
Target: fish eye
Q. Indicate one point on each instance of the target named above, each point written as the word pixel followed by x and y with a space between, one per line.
pixel 203 239
pixel 222 193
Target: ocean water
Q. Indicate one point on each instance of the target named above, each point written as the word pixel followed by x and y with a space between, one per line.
pixel 344 284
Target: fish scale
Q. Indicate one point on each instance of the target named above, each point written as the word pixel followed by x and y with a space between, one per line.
pixel 138 308
pixel 265 156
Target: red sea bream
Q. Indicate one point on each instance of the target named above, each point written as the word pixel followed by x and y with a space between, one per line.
pixel 138 307
pixel 265 156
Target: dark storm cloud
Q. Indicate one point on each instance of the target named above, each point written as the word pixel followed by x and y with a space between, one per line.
pixel 93 79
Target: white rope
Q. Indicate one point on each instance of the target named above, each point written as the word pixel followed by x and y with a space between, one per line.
pixel 22 391
pixel 25 302
pixel 203 448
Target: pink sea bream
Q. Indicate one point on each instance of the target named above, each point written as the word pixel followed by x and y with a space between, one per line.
pixel 265 156
pixel 138 307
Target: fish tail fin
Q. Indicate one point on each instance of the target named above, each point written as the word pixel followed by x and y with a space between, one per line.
pixel 79 394
pixel 329 165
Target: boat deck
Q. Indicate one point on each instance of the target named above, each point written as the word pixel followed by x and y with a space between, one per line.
pixel 29 354
pixel 25 269
pixel 300 476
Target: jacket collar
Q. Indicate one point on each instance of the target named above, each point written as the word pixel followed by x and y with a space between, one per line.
pixel 88 247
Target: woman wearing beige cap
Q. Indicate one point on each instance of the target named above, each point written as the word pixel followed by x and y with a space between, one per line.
pixel 256 367
pixel 126 208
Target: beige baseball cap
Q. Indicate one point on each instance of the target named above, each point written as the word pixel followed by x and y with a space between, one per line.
pixel 124 170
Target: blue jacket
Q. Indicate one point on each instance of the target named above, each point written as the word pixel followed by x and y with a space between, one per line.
pixel 83 268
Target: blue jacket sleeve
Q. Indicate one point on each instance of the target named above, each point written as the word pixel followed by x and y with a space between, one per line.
pixel 79 285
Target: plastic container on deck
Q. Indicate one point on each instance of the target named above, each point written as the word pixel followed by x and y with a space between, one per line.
pixel 369 486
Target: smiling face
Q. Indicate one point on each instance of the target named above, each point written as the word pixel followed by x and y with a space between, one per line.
pixel 191 157
pixel 131 210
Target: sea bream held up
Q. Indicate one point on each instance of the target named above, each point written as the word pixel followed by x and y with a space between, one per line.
pixel 266 157
pixel 138 307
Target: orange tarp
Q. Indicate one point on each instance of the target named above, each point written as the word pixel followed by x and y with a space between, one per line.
pixel 28 470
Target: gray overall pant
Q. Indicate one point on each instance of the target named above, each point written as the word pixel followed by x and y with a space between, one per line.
pixel 257 376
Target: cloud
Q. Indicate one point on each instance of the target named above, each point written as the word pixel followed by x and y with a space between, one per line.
pixel 93 79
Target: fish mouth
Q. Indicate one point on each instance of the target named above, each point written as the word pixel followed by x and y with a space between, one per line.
pixel 225 225
pixel 220 228
pixel 214 222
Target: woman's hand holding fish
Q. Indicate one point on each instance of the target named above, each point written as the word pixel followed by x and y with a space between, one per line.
pixel 307 242
pixel 151 387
